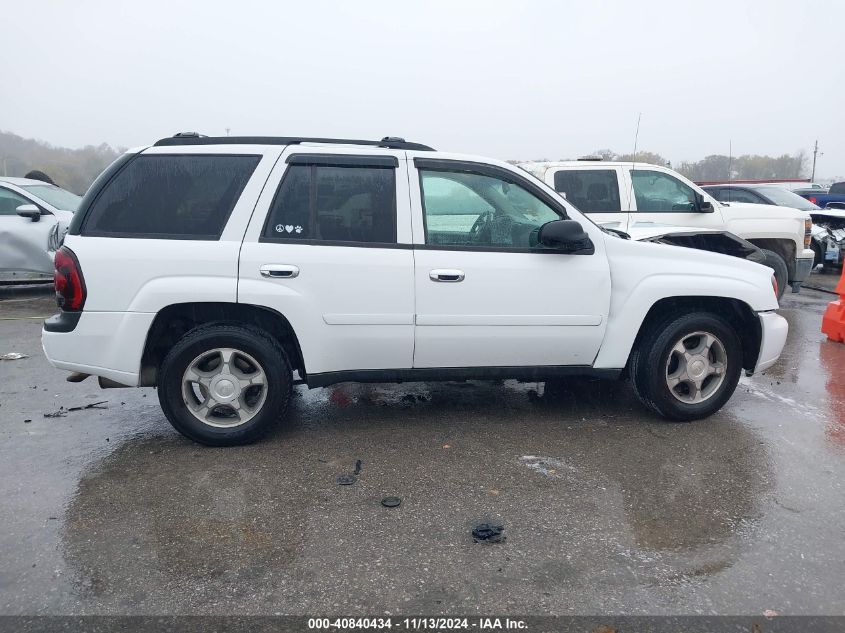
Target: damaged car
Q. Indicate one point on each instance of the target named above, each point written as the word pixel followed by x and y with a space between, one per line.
pixel 829 237
pixel 828 232
pixel 713 240
pixel 34 216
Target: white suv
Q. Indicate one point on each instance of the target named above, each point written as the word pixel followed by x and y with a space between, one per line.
pixel 217 269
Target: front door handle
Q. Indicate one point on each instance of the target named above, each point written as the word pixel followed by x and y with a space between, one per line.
pixel 449 275
pixel 279 271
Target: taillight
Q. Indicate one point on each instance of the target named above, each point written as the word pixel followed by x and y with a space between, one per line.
pixel 813 199
pixel 775 285
pixel 808 232
pixel 70 284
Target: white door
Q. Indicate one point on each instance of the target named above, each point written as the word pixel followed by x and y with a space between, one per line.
pixel 334 257
pixel 486 294
pixel 597 191
pixel 665 199
pixel 24 244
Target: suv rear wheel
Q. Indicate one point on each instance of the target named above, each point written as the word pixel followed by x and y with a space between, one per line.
pixel 687 368
pixel 223 385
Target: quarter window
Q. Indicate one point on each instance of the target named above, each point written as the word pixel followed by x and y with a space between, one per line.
pixel 661 193
pixel 467 209
pixel 10 201
pixel 335 204
pixel 591 190
pixel 167 196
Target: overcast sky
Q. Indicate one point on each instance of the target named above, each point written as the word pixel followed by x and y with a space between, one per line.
pixel 506 79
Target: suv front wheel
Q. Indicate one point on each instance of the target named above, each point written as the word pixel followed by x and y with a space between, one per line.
pixel 687 368
pixel 224 385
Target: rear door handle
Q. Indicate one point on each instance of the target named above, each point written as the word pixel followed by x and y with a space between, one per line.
pixel 448 275
pixel 279 271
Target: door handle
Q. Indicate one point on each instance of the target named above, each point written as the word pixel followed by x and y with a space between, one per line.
pixel 279 271
pixel 449 275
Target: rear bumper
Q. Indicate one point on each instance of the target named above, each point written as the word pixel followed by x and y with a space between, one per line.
pixel 108 344
pixel 774 329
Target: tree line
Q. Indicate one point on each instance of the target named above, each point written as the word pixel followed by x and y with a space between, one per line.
pixel 76 169
pixel 722 167
pixel 71 169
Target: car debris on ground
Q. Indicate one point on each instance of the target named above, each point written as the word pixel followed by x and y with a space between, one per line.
pixel 62 412
pixel 13 356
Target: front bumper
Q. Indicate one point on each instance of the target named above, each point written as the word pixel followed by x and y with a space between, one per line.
pixel 803 266
pixel 774 329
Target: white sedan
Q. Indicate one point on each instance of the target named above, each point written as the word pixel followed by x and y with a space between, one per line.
pixel 34 216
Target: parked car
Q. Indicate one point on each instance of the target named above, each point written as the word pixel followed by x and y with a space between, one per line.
pixel 828 234
pixel 630 192
pixel 33 218
pixel 217 268
pixel 832 198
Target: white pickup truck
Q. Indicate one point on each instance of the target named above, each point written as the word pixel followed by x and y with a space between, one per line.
pixel 622 194
pixel 218 268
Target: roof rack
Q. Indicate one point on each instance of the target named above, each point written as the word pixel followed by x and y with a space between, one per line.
pixel 193 138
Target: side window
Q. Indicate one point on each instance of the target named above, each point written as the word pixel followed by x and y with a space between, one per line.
pixel 591 190
pixel 10 201
pixel 467 209
pixel 719 193
pixel 169 196
pixel 335 204
pixel 661 193
pixel 739 195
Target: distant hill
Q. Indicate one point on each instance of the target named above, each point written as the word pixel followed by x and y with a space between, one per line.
pixel 72 169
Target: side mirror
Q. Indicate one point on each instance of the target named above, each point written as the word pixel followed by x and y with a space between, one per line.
pixel 567 236
pixel 702 204
pixel 29 211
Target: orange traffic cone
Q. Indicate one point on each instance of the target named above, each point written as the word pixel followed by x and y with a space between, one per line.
pixel 833 321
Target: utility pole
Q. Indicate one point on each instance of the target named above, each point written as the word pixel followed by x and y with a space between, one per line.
pixel 815 153
pixel 227 131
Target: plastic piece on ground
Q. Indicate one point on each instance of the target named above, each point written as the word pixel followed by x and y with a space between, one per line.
pixel 391 502
pixel 488 533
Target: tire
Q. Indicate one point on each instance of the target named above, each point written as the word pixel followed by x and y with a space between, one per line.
pixel 776 263
pixel 244 370
pixel 655 363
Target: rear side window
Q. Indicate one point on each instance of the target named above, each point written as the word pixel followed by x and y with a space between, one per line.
pixel 328 203
pixel 168 196
pixel 591 190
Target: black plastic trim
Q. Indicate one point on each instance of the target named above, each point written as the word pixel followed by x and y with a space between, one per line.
pixel 387 143
pixel 433 374
pixel 309 242
pixel 415 247
pixel 64 321
pixel 342 160
pixel 94 191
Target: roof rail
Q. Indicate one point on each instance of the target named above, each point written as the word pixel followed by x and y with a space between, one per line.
pixel 193 138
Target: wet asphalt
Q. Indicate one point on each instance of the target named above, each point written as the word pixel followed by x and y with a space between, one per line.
pixel 606 509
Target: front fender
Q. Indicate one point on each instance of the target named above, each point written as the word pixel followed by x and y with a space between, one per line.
pixel 628 314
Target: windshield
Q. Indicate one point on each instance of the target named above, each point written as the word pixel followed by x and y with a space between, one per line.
pixel 784 198
pixel 54 196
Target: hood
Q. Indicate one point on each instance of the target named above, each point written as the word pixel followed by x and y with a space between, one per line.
pixel 827 214
pixel 748 210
